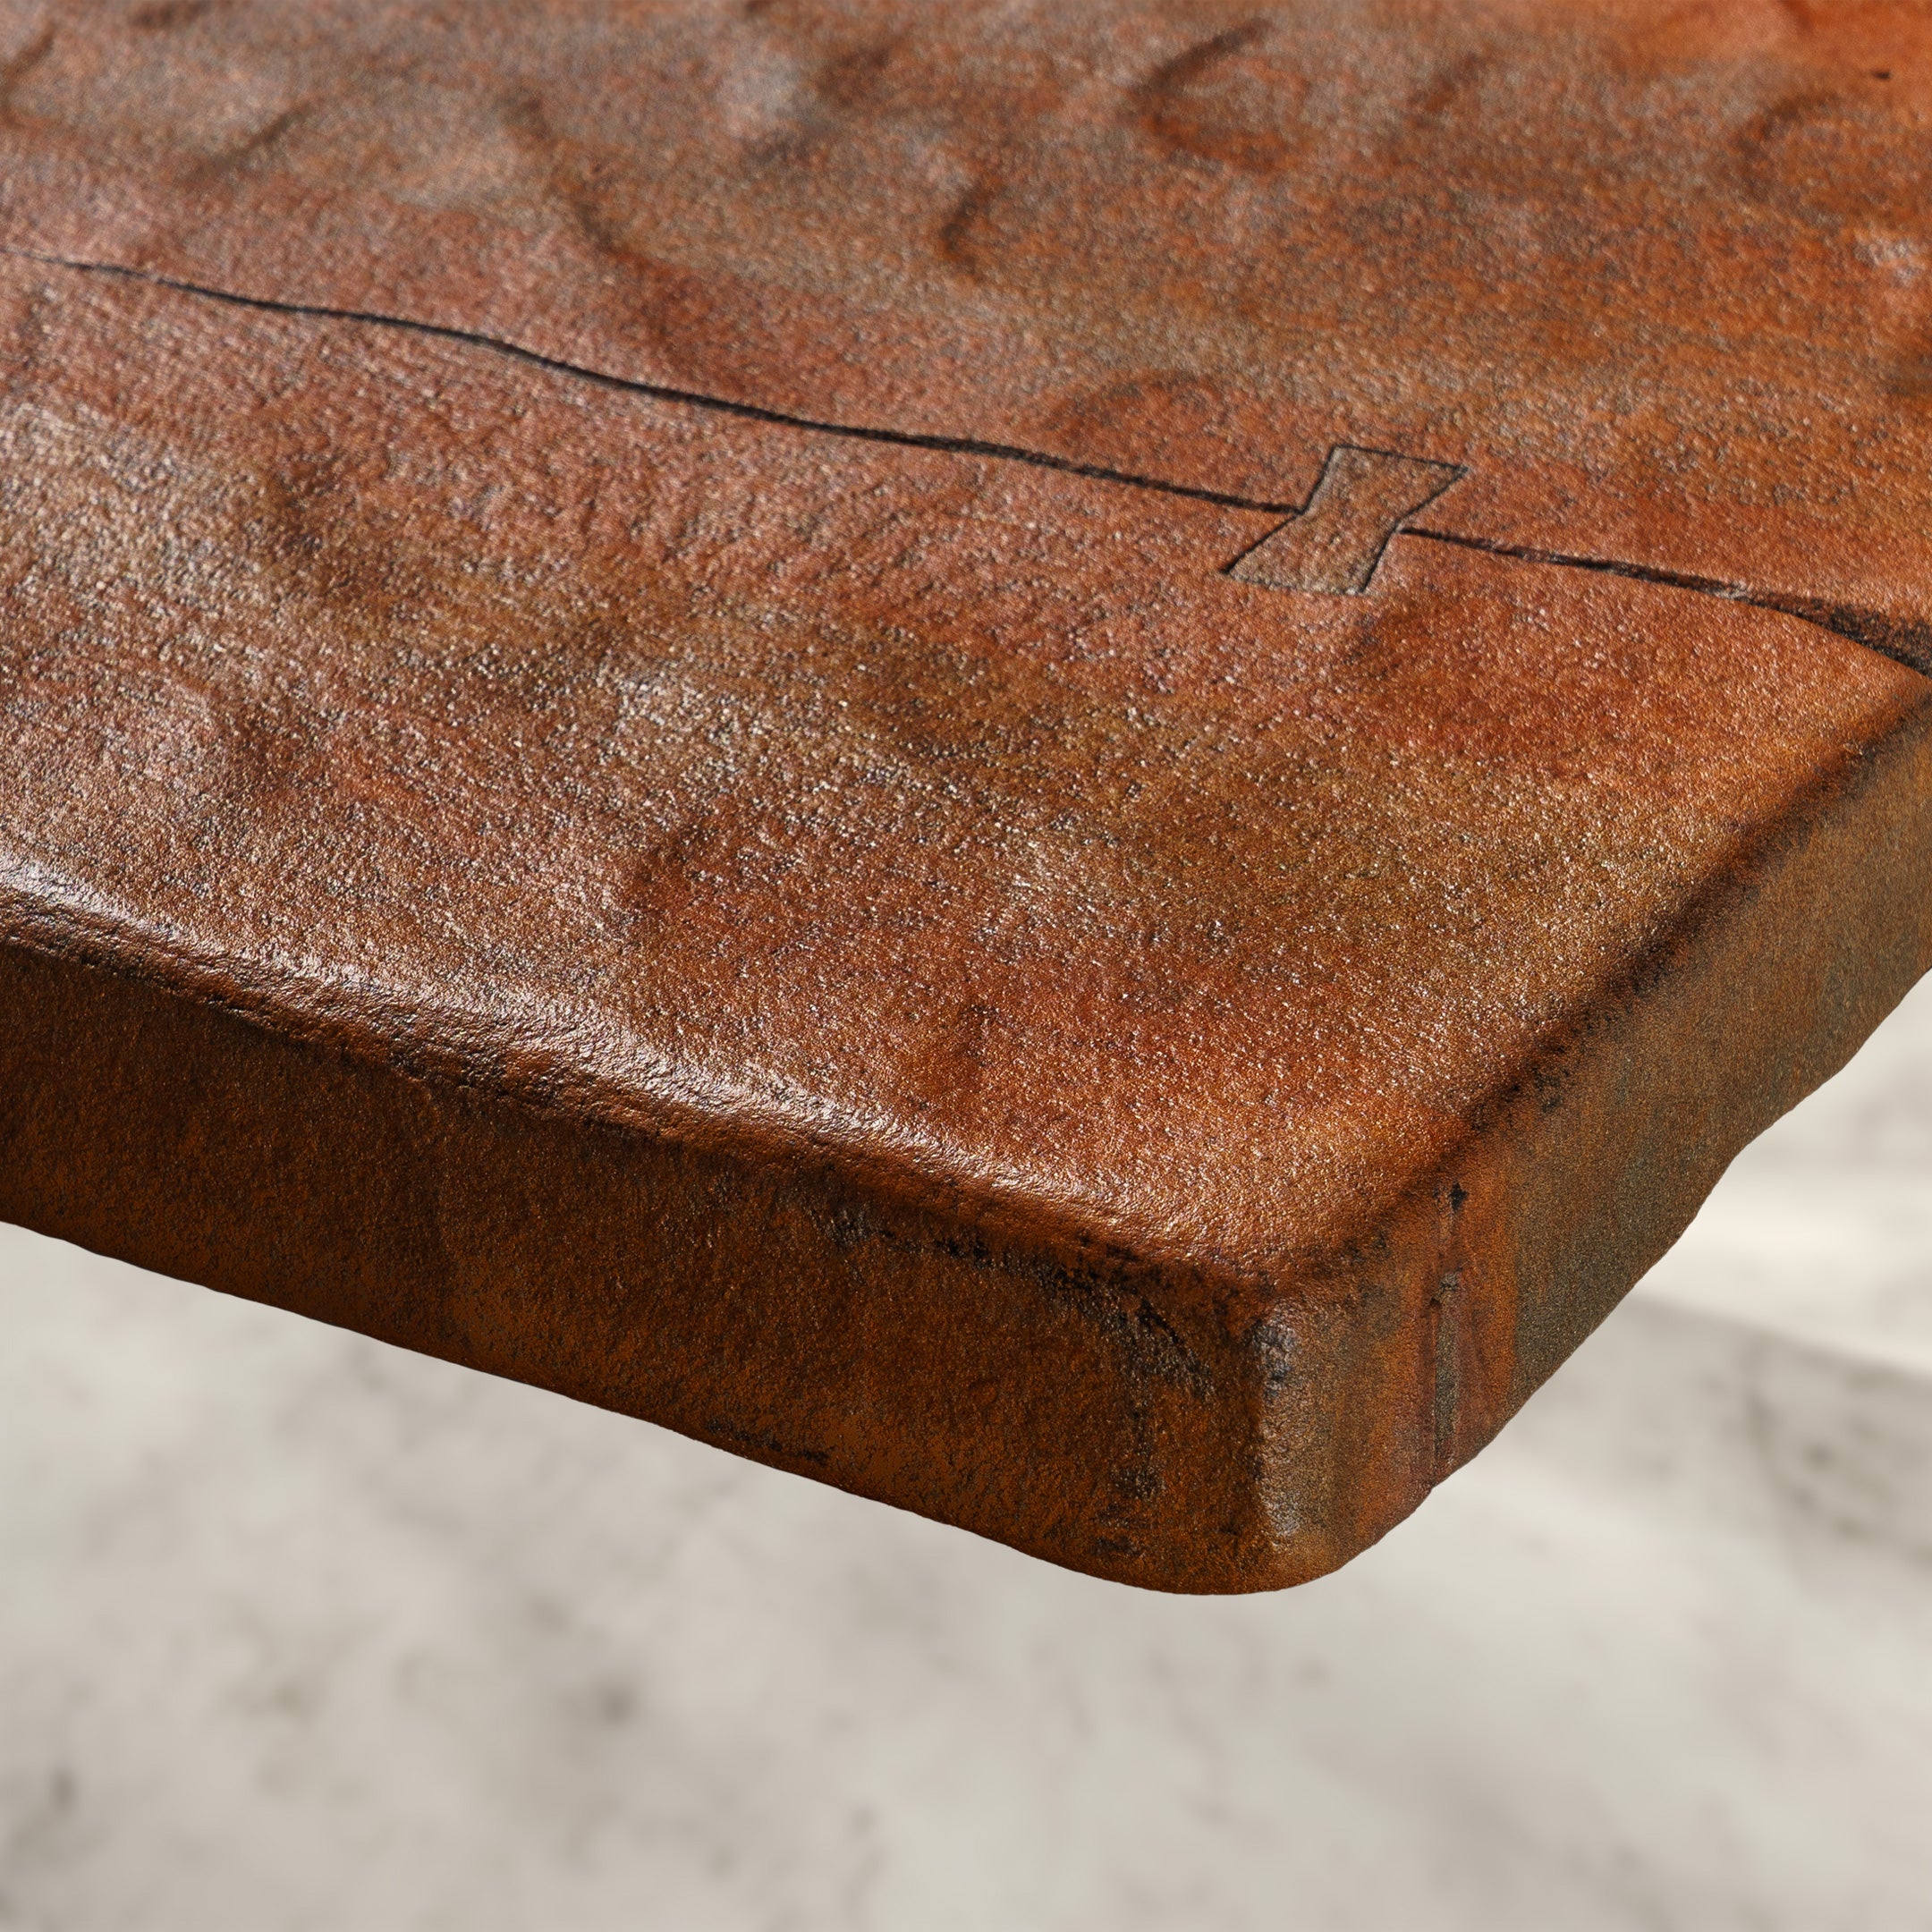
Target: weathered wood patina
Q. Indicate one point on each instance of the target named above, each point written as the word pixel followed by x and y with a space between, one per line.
pixel 1074 764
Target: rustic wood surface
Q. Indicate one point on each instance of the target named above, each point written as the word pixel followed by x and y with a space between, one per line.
pixel 1075 767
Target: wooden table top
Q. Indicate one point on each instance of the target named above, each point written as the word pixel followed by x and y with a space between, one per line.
pixel 1077 767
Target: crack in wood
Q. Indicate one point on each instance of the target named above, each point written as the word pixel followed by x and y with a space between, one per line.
pixel 1906 642
pixel 663 392
pixel 1331 544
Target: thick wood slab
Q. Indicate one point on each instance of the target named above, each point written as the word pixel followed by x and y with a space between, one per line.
pixel 1078 771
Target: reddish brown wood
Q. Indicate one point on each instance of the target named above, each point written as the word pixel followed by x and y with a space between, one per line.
pixel 1076 768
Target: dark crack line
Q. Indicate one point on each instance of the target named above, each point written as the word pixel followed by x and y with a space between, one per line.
pixel 1607 566
pixel 664 392
pixel 1905 641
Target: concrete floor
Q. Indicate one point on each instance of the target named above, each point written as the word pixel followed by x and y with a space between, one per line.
pixel 297 1631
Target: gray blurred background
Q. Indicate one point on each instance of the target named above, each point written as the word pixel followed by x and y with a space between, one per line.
pixel 297 1631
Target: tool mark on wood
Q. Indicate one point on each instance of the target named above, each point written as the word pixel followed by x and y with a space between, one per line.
pixel 1331 544
pixel 1363 498
pixel 19 66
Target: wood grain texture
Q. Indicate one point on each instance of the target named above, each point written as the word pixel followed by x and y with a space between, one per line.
pixel 640 752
